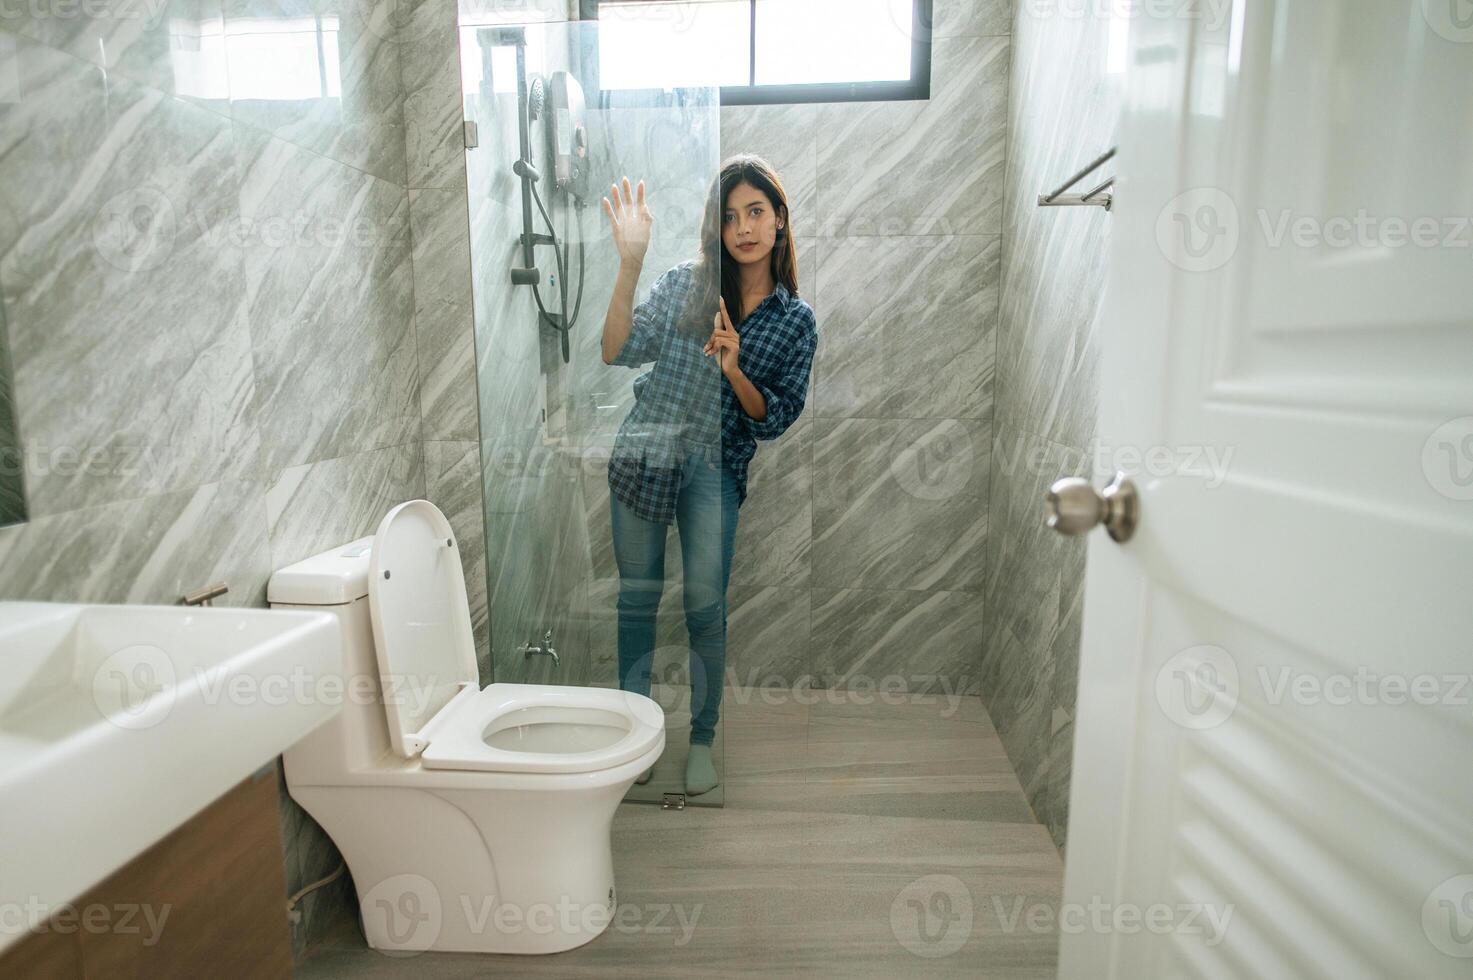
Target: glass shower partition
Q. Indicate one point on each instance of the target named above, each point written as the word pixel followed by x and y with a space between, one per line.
pixel 549 406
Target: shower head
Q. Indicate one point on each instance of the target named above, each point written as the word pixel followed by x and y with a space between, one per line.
pixel 536 97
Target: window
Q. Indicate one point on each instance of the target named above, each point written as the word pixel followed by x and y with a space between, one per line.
pixel 766 51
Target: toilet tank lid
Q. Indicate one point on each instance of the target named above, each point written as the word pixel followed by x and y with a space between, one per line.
pixel 333 578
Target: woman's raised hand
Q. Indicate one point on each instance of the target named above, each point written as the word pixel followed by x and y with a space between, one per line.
pixel 630 221
pixel 725 343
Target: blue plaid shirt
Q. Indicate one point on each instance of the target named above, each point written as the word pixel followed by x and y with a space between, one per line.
pixel 685 405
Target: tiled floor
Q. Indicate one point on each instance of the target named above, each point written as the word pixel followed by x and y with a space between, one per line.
pixel 860 837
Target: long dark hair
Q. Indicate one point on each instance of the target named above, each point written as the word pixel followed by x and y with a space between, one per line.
pixel 717 272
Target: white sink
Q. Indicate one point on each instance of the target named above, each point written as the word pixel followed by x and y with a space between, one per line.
pixel 119 723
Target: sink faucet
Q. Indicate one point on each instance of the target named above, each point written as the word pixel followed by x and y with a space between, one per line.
pixel 205 596
pixel 528 650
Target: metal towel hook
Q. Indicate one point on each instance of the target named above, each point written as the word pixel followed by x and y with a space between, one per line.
pixel 1096 197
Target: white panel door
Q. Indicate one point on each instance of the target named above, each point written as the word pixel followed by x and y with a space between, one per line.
pixel 1273 772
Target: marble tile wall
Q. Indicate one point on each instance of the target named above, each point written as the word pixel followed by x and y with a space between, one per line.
pixel 861 550
pixel 208 263
pixel 1064 108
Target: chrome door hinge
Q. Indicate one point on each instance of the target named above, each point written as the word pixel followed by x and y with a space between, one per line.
pixel 472 136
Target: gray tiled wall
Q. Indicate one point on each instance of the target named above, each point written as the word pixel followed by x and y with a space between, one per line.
pixel 220 363
pixel 1064 108
pixel 861 547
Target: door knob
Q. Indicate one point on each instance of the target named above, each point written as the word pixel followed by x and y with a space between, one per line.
pixel 1075 507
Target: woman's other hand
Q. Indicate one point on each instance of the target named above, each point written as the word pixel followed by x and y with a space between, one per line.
pixel 630 220
pixel 724 342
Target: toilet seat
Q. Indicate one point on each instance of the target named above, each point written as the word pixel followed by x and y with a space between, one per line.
pixel 458 737
pixel 435 708
pixel 421 620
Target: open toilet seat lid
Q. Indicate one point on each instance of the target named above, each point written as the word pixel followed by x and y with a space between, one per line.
pixel 421 620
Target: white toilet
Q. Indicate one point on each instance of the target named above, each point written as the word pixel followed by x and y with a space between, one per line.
pixel 473 820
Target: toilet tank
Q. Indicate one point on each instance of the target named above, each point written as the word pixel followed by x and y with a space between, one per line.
pixel 336 582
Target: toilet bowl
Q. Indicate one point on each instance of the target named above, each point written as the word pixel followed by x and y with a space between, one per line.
pixel 472 819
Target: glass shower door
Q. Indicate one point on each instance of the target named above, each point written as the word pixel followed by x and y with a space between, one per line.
pixel 549 406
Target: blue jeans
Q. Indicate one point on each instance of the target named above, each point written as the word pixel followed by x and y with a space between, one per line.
pixel 706 516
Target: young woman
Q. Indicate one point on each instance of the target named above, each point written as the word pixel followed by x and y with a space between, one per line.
pixel 732 346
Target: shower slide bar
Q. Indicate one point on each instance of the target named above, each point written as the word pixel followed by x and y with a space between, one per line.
pixel 1095 197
